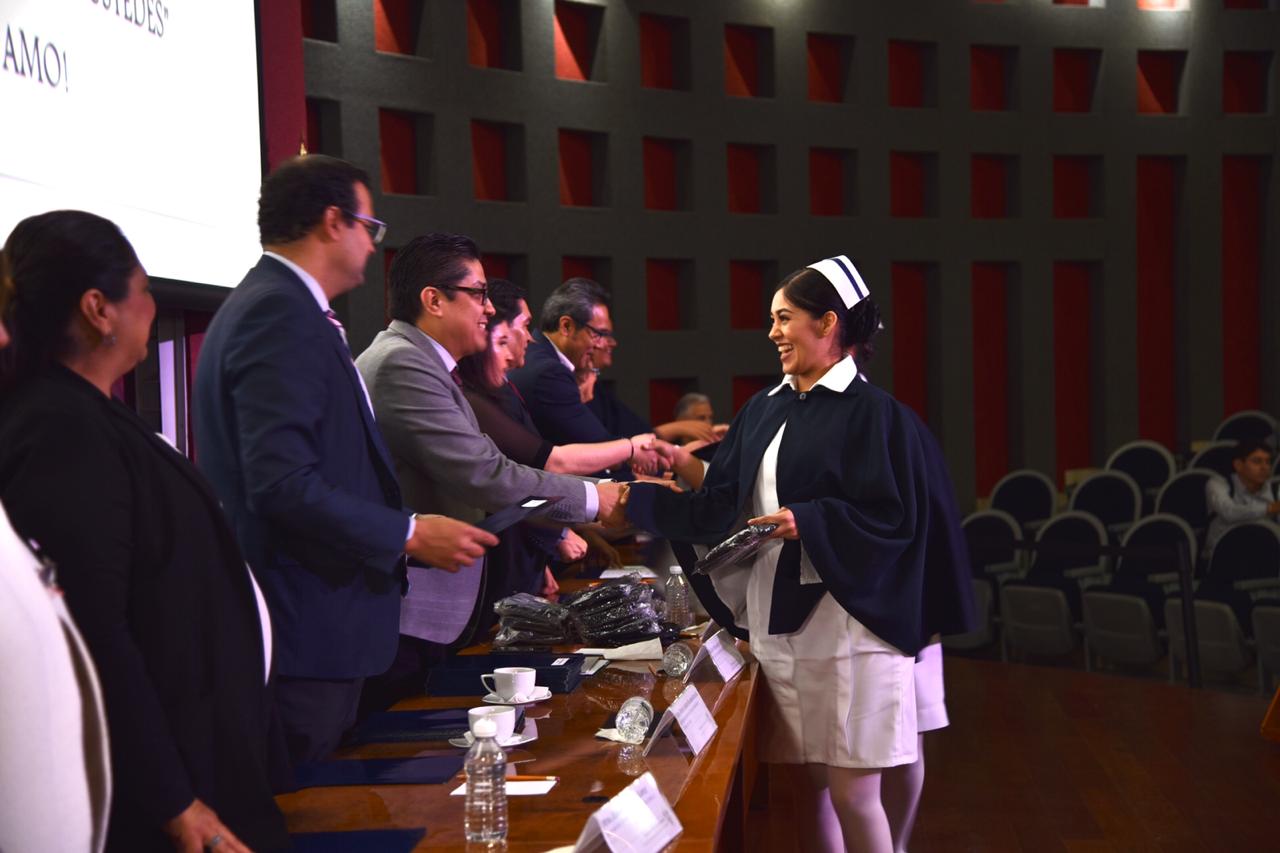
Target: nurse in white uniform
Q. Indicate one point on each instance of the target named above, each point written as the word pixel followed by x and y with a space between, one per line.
pixel 832 603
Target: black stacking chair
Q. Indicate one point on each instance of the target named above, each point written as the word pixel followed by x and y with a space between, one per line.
pixel 1215 457
pixel 1184 497
pixel 1027 495
pixel 1247 424
pixel 1112 497
pixel 991 536
pixel 1245 565
pixel 1077 562
pixel 1153 578
pixel 1246 552
pixel 1149 463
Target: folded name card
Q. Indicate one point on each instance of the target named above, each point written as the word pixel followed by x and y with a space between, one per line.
pixel 637 820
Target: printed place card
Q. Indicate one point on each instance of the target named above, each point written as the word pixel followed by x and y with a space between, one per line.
pixel 637 820
pixel 722 649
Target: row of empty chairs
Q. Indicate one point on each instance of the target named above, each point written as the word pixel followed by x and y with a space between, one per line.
pixel 1120 608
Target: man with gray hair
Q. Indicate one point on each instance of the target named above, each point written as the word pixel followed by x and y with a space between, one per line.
pixel 574 323
pixel 695 406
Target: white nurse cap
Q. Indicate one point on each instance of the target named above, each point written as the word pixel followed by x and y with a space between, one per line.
pixel 844 277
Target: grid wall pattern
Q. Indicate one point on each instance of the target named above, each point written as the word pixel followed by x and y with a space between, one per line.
pixel 1065 211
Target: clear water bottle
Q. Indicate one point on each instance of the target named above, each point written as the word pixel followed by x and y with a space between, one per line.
pixel 677 592
pixel 486 810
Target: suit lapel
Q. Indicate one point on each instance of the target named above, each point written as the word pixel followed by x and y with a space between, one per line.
pixel 343 353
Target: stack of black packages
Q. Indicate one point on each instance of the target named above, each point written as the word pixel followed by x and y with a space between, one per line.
pixel 611 614
pixel 529 621
pixel 614 614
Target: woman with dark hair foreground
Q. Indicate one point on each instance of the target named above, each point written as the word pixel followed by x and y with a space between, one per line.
pixel 149 565
pixel 840 600
pixel 55 779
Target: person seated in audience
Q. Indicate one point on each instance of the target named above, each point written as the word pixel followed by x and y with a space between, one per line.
pixel 149 564
pixel 445 462
pixel 1246 496
pixel 55 782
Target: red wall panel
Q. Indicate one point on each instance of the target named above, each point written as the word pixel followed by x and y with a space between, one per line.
pixel 489 161
pixel 577 267
pixel 575 169
pixel 1071 188
pixel 988 186
pixel 746 387
pixel 1159 77
pixel 398 152
pixel 484 33
pixel 573 41
pixel 826 182
pixel 906 74
pixel 988 84
pixel 660 188
pixel 657 52
pixel 663 396
pixel 1243 179
pixel 989 298
pixel 1073 80
pixel 911 336
pixel 662 294
pixel 907 179
pixel 825 68
pixel 1071 366
pixel 1244 81
pixel 393 26
pixel 741 61
pixel 746 295
pixel 496 266
pixel 1156 236
pixel 743 165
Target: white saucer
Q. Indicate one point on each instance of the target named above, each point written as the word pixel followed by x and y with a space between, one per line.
pixel 539 694
pixel 466 740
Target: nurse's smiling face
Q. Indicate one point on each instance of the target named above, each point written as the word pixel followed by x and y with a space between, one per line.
pixel 805 343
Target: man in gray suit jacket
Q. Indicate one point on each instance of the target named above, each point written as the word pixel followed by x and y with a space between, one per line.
pixel 444 463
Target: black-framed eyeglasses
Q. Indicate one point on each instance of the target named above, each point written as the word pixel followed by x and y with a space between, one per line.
pixel 376 227
pixel 479 294
pixel 602 334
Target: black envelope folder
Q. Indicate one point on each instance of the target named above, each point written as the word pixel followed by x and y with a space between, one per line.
pixel 403 726
pixel 514 514
pixel 426 770
pixel 364 840
pixel 460 675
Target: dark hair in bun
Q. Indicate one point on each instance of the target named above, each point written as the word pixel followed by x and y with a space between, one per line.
pixel 810 291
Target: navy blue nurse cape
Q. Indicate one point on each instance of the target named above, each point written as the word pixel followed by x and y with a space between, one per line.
pixel 873 505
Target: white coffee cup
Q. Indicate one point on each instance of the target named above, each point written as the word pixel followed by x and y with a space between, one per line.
pixel 509 681
pixel 503 716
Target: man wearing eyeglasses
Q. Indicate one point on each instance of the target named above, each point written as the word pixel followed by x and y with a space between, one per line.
pixel 575 325
pixel 285 433
pixel 440 309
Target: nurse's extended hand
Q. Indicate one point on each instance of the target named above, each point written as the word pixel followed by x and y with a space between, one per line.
pixel 784 519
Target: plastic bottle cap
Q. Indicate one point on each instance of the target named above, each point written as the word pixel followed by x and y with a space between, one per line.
pixel 484 728
pixel 676 570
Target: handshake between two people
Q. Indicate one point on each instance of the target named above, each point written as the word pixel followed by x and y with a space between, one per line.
pixel 449 544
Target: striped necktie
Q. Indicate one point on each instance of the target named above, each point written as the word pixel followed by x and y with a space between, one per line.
pixel 337 324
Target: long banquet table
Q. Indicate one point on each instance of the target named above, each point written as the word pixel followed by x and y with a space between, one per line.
pixel 709 792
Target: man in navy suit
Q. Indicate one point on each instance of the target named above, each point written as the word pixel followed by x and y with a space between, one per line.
pixel 285 433
pixel 574 325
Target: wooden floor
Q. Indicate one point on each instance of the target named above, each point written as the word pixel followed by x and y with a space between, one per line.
pixel 1050 759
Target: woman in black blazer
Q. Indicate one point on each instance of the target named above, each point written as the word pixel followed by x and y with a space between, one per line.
pixel 149 565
